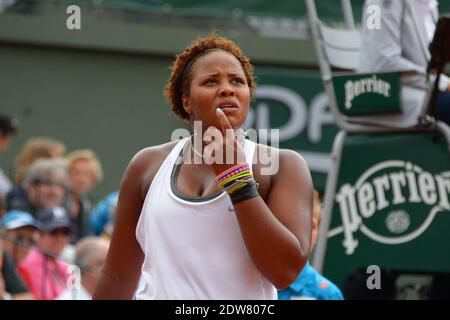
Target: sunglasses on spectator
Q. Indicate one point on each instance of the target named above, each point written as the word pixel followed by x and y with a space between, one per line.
pixel 63 231
pixel 24 241
pixel 50 183
pixel 19 240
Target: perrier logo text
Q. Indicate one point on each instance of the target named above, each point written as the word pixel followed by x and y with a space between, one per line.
pixel 356 88
pixel 388 186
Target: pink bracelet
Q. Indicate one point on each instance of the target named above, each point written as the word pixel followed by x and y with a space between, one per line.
pixel 230 171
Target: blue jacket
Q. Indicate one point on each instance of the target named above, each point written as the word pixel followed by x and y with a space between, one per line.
pixel 103 213
pixel 311 285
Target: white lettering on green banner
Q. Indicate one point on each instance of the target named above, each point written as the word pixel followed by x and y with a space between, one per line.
pixel 358 87
pixel 380 190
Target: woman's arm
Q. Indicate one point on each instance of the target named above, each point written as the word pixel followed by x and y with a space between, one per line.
pixel 277 234
pixel 122 268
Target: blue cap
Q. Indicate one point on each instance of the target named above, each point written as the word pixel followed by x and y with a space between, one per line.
pixel 16 219
pixel 50 219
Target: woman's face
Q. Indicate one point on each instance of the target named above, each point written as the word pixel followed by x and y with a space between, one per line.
pixel 218 80
pixel 81 176
pixel 23 238
pixel 55 241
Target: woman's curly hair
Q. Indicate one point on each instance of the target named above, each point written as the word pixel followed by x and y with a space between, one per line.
pixel 180 78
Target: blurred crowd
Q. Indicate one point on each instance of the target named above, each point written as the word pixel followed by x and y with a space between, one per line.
pixel 53 238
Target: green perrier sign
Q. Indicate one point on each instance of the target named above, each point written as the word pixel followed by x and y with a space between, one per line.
pixel 367 93
pixel 391 206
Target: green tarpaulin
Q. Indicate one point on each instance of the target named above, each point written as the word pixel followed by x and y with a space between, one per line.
pixel 327 9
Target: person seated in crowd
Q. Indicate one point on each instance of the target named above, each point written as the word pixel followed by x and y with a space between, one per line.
pixel 45 185
pixel 84 171
pixel 90 256
pixel 400 43
pixel 310 285
pixel 45 273
pixel 12 287
pixel 19 231
pixel 102 216
pixel 8 128
pixel 33 149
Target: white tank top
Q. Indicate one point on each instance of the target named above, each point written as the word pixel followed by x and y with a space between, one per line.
pixel 194 248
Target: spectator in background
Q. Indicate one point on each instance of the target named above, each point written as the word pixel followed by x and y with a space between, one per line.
pixel 90 256
pixel 401 44
pixel 45 273
pixel 4 295
pixel 19 231
pixel 84 172
pixel 33 149
pixel 11 284
pixel 8 128
pixel 310 285
pixel 103 215
pixel 45 187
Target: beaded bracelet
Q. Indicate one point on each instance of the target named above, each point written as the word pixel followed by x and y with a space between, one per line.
pixel 236 178
pixel 237 184
pixel 232 171
pixel 232 178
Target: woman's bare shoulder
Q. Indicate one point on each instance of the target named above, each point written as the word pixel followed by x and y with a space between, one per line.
pixel 271 160
pixel 146 163
pixel 153 154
